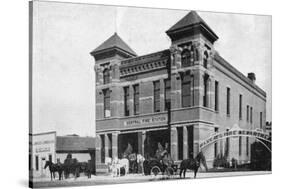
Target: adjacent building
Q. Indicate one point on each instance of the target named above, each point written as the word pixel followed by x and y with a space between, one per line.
pixel 178 96
pixel 48 146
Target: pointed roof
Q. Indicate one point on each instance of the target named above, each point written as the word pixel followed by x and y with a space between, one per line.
pixel 114 42
pixel 188 21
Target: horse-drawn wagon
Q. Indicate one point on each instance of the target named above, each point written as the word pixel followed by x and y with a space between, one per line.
pixel 156 167
pixel 162 163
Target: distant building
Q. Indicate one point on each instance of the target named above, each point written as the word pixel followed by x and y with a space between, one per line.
pixel 49 147
pixel 268 127
pixel 81 148
pixel 178 96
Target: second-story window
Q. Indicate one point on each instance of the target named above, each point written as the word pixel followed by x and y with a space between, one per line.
pixel 228 101
pixel 206 89
pixel 247 113
pixel 106 94
pixel 260 120
pixel 126 101
pixel 136 99
pixel 156 90
pixel 240 106
pixel 186 58
pixel 251 114
pixel 186 91
pixel 167 83
pixel 216 96
pixel 106 76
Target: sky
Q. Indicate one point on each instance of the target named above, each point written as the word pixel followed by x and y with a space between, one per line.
pixel 63 70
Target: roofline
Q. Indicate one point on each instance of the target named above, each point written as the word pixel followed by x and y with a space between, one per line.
pixel 43 133
pixel 206 27
pixel 67 136
pixel 143 56
pixel 236 72
pixel 93 53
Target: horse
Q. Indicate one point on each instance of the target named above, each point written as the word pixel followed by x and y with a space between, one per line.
pixel 115 166
pixel 193 164
pixel 54 168
pixel 71 166
pixel 118 164
pixel 125 164
pixel 84 167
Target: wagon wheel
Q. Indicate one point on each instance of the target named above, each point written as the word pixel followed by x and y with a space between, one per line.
pixel 155 170
pixel 169 171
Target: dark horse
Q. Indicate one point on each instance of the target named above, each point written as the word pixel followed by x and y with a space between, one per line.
pixel 72 166
pixel 193 164
pixel 53 169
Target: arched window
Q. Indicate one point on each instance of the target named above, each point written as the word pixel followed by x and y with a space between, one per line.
pixel 186 58
pixel 106 76
pixel 205 59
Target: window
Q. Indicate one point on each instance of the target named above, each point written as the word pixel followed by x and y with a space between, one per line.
pixel 156 86
pixel 106 94
pixel 216 144
pixel 167 83
pixel 186 91
pixel 136 99
pixel 240 107
pixel 29 161
pixel 251 114
pixel 50 158
pixel 186 58
pixel 260 120
pixel 36 163
pixel 205 59
pixel 106 76
pixel 206 88
pixel 247 146
pixel 247 116
pixel 228 101
pixel 240 145
pixel 216 96
pixel 126 101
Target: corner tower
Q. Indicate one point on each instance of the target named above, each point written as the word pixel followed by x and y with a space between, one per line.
pixel 192 78
pixel 192 55
pixel 194 39
pixel 107 58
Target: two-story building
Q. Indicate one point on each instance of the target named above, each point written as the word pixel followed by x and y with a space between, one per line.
pixel 177 97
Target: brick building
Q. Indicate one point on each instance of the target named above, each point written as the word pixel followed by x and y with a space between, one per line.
pixel 178 96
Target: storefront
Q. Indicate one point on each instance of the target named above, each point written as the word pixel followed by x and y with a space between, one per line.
pixel 42 149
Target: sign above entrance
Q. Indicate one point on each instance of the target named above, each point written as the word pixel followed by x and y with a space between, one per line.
pixel 234 132
pixel 146 120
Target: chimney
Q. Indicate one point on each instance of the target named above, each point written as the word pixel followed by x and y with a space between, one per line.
pixel 252 76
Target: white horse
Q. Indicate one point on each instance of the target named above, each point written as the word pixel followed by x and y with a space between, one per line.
pixel 124 163
pixel 117 164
